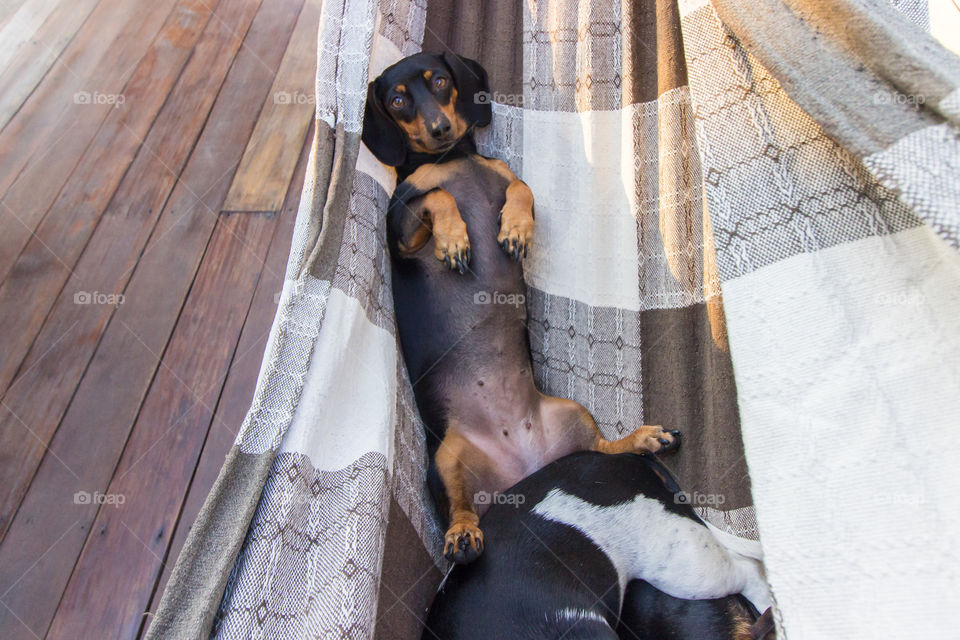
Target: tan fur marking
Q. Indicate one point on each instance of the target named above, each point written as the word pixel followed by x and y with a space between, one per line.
pixel 417 239
pixel 499 166
pixel 428 74
pixel 458 125
pixel 416 132
pixel 432 176
pixel 741 629
pixel 452 461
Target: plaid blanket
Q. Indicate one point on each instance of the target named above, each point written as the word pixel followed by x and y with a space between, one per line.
pixel 747 229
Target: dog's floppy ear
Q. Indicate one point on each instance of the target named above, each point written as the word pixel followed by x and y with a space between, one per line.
pixel 473 90
pixel 380 133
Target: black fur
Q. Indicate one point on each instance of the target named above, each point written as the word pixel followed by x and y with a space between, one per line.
pixel 473 89
pixel 380 133
pixel 650 614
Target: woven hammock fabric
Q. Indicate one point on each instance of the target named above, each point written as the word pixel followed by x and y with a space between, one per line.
pixel 765 188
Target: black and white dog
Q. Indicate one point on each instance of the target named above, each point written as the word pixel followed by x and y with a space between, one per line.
pixel 598 546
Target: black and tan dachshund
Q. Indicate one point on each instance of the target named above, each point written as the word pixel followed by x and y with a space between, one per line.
pixel 458 226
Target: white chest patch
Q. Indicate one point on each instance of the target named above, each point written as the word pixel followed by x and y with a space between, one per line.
pixel 645 541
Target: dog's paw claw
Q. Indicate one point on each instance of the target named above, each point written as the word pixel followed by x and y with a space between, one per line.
pixel 672 443
pixel 455 259
pixel 516 232
pixel 452 246
pixel 463 543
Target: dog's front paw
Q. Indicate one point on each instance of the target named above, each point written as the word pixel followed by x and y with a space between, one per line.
pixel 452 244
pixel 655 439
pixel 516 230
pixel 464 541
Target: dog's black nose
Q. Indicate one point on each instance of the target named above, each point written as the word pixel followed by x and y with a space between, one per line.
pixel 440 129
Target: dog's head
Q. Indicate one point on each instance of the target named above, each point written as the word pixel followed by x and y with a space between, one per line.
pixel 424 103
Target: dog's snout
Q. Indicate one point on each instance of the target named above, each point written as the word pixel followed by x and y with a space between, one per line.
pixel 440 127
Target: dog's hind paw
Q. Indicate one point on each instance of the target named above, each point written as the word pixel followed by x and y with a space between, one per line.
pixel 655 439
pixel 463 542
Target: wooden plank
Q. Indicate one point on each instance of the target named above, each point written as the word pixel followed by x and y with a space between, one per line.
pixel 90 439
pixel 8 9
pixel 44 141
pixel 99 58
pixel 22 27
pixel 50 256
pixel 242 378
pixel 33 59
pixel 36 283
pixel 122 559
pixel 271 155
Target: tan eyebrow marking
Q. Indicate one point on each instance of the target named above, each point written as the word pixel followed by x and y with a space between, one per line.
pixel 428 74
pixel 400 88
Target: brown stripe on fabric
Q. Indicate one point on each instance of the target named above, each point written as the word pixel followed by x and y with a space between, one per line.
pixel 671 65
pixel 489 31
pixel 688 384
pixel 640 60
pixel 408 581
pixel 198 579
pixel 336 158
pixel 835 79
pixel 653 60
pixel 570 56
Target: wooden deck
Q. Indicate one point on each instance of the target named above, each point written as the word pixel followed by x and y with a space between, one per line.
pixel 151 159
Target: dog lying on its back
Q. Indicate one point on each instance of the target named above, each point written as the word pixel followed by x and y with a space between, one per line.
pixel 458 226
pixel 599 547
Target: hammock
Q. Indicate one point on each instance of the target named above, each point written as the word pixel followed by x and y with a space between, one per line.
pixel 765 188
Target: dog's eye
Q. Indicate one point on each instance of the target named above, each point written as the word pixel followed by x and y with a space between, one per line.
pixel 397 102
pixel 440 82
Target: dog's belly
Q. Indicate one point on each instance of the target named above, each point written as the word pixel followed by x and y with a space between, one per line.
pixel 514 429
pixel 457 329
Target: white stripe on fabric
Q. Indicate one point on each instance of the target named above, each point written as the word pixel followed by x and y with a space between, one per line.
pixel 348 404
pixel 585 238
pixel 848 389
pixel 343 50
pixel 618 193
